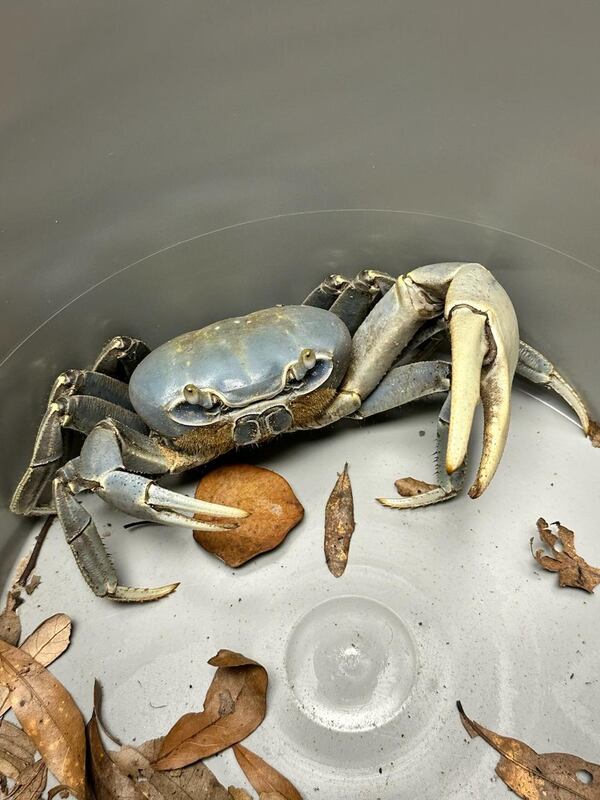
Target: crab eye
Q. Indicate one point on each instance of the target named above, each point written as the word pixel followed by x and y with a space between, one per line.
pixel 200 397
pixel 308 358
pixel 297 372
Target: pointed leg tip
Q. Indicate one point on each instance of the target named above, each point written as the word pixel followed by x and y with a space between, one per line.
pixel 129 594
pixel 476 490
pixel 593 432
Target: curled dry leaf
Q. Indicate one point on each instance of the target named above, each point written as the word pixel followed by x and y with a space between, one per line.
pixel 339 524
pixel 48 641
pixel 47 714
pixel 535 776
pixel 234 706
pixel 263 777
pixel 572 569
pixel 273 510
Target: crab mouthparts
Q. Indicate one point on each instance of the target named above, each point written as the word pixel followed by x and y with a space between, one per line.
pixel 254 427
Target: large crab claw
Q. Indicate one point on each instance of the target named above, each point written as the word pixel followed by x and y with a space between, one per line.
pixel 485 348
pixel 484 337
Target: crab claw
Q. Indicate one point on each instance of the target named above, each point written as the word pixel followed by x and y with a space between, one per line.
pixel 144 499
pixel 485 347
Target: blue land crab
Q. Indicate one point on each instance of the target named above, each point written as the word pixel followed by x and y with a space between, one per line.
pixel 354 348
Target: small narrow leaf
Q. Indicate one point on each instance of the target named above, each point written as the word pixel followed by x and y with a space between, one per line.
pixel 263 777
pixel 339 524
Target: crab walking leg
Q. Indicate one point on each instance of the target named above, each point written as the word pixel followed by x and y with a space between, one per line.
pixel 405 384
pixel 414 495
pixel 53 444
pixel 538 369
pixel 359 296
pixel 327 292
pixel 74 412
pixel 120 357
pixel 101 468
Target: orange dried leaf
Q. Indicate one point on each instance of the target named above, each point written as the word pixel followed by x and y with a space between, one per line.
pixel 234 706
pixel 47 714
pixel 339 524
pixel 273 506
pixel 572 570
pixel 263 777
pixel 538 776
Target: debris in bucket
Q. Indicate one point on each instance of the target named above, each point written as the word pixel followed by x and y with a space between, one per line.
pixel 128 773
pixel 48 715
pixel 265 780
pixel 273 510
pixel 410 487
pixel 538 776
pixel 572 570
pixel 234 706
pixel 10 624
pixel 339 524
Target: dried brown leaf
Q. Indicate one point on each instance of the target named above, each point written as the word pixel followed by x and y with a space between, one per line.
pixel 234 706
pixel 410 487
pixel 339 524
pixel 17 753
pixel 263 777
pixel 48 641
pixel 535 776
pixel 31 783
pixel 239 794
pixel 273 506
pixel 195 782
pixel 108 781
pixel 572 570
pixel 47 714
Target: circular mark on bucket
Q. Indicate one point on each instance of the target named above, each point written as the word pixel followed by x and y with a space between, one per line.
pixel 351 664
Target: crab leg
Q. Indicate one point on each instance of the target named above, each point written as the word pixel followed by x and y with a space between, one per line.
pixel 120 357
pixel 416 494
pixel 484 342
pixel 101 468
pixel 359 296
pixel 538 369
pixel 75 412
pixel 405 384
pixel 327 292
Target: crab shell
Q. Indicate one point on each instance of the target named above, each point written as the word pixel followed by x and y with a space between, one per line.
pixel 250 371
